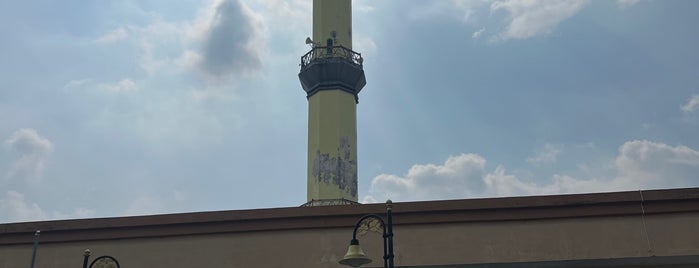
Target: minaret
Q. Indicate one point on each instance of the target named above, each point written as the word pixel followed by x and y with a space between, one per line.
pixel 332 76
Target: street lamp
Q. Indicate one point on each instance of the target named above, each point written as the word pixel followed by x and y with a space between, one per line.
pixel 355 256
pixel 101 262
pixel 36 244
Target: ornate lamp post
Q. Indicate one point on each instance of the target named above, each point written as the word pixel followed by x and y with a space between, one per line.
pixel 355 256
pixel 100 262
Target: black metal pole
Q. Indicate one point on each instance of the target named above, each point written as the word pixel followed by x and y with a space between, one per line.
pixel 86 257
pixel 36 244
pixel 385 248
pixel 389 226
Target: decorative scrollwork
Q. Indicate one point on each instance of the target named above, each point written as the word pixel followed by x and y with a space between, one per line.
pixel 369 225
pixel 105 262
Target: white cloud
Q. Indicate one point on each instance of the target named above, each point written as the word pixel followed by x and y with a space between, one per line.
pixel 651 164
pixel 78 83
pixel 626 3
pixel 638 165
pixel 535 17
pixel 691 105
pixel 365 45
pixel 153 203
pixel 77 213
pixel 144 205
pixel 467 11
pixel 14 207
pixel 499 183
pixel 363 6
pixel 161 44
pixel 478 33
pixel 180 196
pixel 548 154
pixel 288 17
pixel 225 41
pixel 232 41
pixel 124 85
pixel 458 177
pixel 208 94
pixel 115 35
pixel 523 18
pixel 30 150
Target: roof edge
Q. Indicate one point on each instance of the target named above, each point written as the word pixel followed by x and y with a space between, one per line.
pixel 421 212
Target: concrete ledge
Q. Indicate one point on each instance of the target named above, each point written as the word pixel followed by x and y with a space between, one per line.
pixel 405 213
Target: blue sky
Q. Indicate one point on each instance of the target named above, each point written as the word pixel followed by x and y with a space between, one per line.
pixel 133 107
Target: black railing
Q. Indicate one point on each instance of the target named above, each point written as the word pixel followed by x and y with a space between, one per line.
pixel 331 54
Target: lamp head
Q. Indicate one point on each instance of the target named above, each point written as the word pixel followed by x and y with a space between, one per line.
pixel 355 256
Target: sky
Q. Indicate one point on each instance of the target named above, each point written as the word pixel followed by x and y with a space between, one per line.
pixel 137 107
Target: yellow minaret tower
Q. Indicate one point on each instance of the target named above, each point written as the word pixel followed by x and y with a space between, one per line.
pixel 332 76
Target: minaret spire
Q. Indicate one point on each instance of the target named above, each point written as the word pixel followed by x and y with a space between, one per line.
pixel 332 76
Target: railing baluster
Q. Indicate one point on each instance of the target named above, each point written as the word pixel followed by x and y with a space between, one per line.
pixel 336 53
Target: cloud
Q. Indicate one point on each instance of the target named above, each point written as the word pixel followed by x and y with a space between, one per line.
pixel 144 205
pixel 534 17
pixel 153 203
pixel 638 165
pixel 467 11
pixel 78 83
pixel 691 105
pixel 232 44
pixel 651 164
pixel 162 44
pixel 523 19
pixel 15 208
pixel 626 3
pixel 115 35
pixel 478 33
pixel 291 18
pixel 458 177
pixel 30 150
pixel 365 45
pixel 225 40
pixel 363 6
pixel 124 85
pixel 548 154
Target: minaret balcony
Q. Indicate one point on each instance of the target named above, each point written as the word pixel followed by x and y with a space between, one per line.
pixel 332 68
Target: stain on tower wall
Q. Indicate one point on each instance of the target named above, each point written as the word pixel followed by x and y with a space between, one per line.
pixel 338 170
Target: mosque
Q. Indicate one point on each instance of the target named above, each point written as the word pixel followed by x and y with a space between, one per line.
pixel 648 228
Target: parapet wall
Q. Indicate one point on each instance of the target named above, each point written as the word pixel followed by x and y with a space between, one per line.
pixel 645 226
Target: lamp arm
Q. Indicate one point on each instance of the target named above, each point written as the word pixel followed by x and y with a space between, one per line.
pixel 387 238
pixel 359 222
pixel 105 257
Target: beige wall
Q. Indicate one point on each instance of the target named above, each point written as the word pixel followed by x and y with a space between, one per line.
pixel 548 240
pixel 415 245
pixel 607 227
